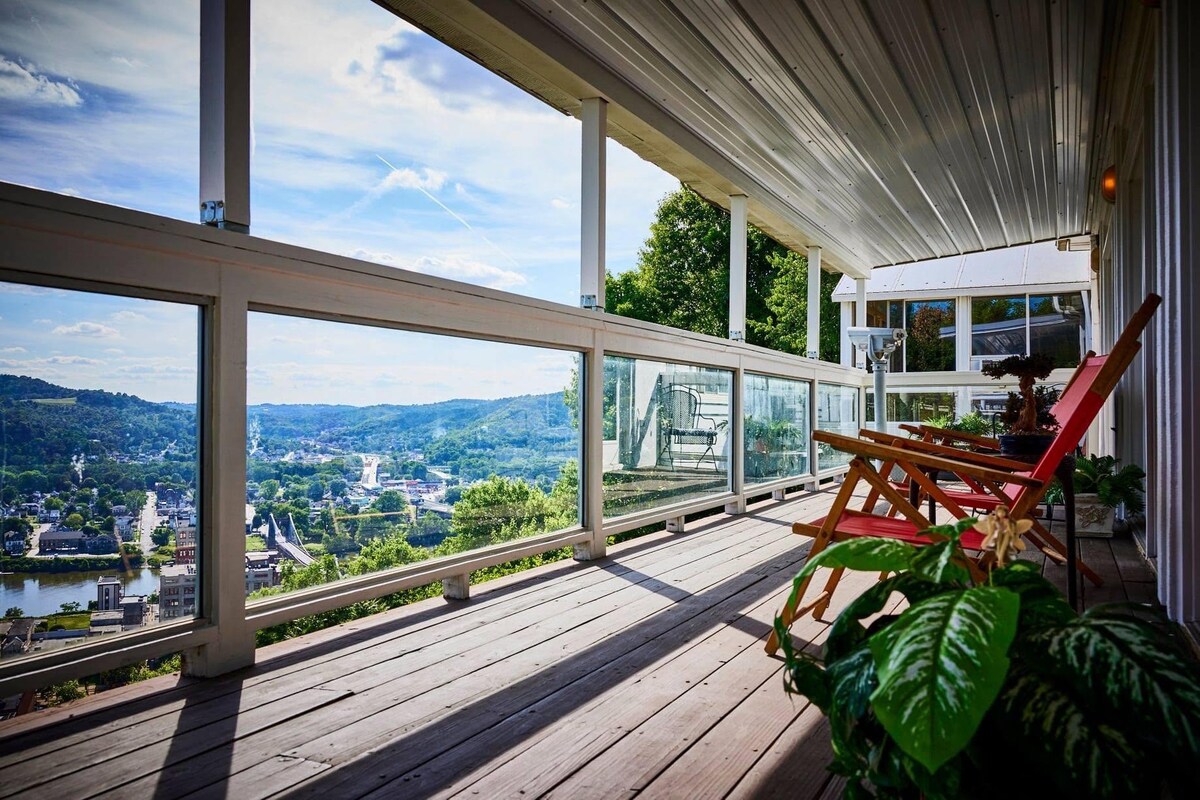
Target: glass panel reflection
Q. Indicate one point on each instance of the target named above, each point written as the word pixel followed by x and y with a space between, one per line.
pixel 837 412
pixel 666 433
pixel 776 428
pixel 1056 327
pixel 997 328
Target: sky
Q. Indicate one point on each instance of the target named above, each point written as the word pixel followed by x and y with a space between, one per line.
pixel 370 139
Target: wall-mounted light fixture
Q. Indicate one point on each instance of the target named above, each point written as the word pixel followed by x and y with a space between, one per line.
pixel 1108 184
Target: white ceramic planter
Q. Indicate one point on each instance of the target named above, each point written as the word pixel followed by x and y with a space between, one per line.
pixel 1092 518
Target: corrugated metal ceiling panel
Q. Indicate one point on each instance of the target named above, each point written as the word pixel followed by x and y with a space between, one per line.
pixel 893 130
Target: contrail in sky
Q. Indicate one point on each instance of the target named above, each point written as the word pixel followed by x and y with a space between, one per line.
pixel 450 211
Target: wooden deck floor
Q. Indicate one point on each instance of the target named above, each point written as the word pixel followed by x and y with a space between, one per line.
pixel 640 675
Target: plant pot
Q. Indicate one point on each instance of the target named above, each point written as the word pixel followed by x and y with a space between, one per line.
pixel 1093 518
pixel 1024 445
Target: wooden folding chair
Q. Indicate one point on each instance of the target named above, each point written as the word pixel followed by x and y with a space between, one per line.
pixel 1001 481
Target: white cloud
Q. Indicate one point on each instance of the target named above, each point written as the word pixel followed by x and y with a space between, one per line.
pixel 23 82
pixel 428 179
pixel 128 316
pixel 89 330
pixel 34 363
pixel 13 350
pixel 43 321
pixel 455 267
pixel 114 351
pixel 561 204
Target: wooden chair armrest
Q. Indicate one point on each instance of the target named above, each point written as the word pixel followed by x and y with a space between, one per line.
pixel 869 449
pixel 933 448
pixel 958 436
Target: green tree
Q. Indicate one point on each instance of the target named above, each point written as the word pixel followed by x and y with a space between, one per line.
pixel 268 489
pixel 14 612
pixel 19 524
pixel 70 608
pixel 52 504
pixel 316 490
pixel 682 276
pixel 32 481
pixel 74 521
pixel 496 510
pixel 785 325
pixel 389 502
pixel 337 487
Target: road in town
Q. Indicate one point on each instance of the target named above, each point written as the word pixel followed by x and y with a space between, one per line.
pixel 370 473
pixel 36 539
pixel 148 522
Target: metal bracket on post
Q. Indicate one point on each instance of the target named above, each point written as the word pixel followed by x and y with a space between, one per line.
pixel 212 213
pixel 737 336
pixel 589 302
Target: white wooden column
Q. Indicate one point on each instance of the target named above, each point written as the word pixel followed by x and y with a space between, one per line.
pixel 225 114
pixel 221 490
pixel 736 444
pixel 814 303
pixel 860 317
pixel 737 267
pixel 591 203
pixel 592 457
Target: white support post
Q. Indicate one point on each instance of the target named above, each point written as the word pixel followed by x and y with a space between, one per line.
pixel 737 449
pixel 222 489
pixel 591 478
pixel 591 205
pixel 457 587
pixel 860 317
pixel 813 341
pixel 225 114
pixel 737 267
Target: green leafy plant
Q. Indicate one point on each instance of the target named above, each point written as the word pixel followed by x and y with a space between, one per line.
pixel 986 690
pixel 1099 475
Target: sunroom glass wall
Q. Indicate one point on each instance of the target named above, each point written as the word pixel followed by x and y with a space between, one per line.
pixel 776 428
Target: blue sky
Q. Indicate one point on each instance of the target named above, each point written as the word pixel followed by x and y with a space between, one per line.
pixel 100 100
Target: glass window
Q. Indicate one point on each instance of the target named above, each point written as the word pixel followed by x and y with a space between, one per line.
pixel 376 448
pixel 1056 327
pixel 887 314
pixel 669 425
pixel 776 428
pixel 100 100
pixel 929 346
pixel 837 412
pixel 99 486
pixel 997 328
pixel 933 406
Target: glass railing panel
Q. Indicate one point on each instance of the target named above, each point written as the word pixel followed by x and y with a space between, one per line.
pixel 837 412
pixel 99 445
pixel 101 100
pixel 776 428
pixel 371 448
pixel 932 406
pixel 666 433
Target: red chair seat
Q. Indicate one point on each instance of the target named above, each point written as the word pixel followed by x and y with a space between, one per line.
pixel 859 523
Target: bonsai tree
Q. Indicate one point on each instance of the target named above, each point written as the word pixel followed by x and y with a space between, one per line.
pixel 998 689
pixel 1027 370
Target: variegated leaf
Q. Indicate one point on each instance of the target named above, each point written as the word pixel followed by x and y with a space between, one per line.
pixel 866 554
pixel 1065 742
pixel 1124 667
pixel 940 666
pixel 937 563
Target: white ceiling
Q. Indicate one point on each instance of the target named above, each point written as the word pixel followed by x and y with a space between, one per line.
pixel 885 131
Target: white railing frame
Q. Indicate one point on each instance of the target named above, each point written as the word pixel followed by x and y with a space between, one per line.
pixel 53 240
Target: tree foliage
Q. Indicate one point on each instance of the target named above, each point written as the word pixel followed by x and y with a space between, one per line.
pixel 682 280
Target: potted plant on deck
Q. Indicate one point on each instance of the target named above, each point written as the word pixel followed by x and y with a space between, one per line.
pixel 998 689
pixel 1099 489
pixel 1030 424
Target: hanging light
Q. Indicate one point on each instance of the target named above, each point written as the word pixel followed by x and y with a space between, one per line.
pixel 1108 184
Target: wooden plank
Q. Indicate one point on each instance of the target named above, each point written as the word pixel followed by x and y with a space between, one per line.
pixel 120 773
pixel 266 779
pixel 793 767
pixel 1098 554
pixel 1132 566
pixel 464 631
pixel 390 716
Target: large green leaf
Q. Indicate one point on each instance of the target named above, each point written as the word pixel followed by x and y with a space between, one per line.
pixel 940 666
pixel 865 554
pixel 1041 601
pixel 940 563
pixel 1060 741
pixel 847 632
pixel 1125 667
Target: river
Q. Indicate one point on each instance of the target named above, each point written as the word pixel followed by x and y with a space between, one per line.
pixel 43 592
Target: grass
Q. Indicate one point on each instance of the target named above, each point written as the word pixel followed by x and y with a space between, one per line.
pixel 70 622
pixel 55 401
pixel 255 543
